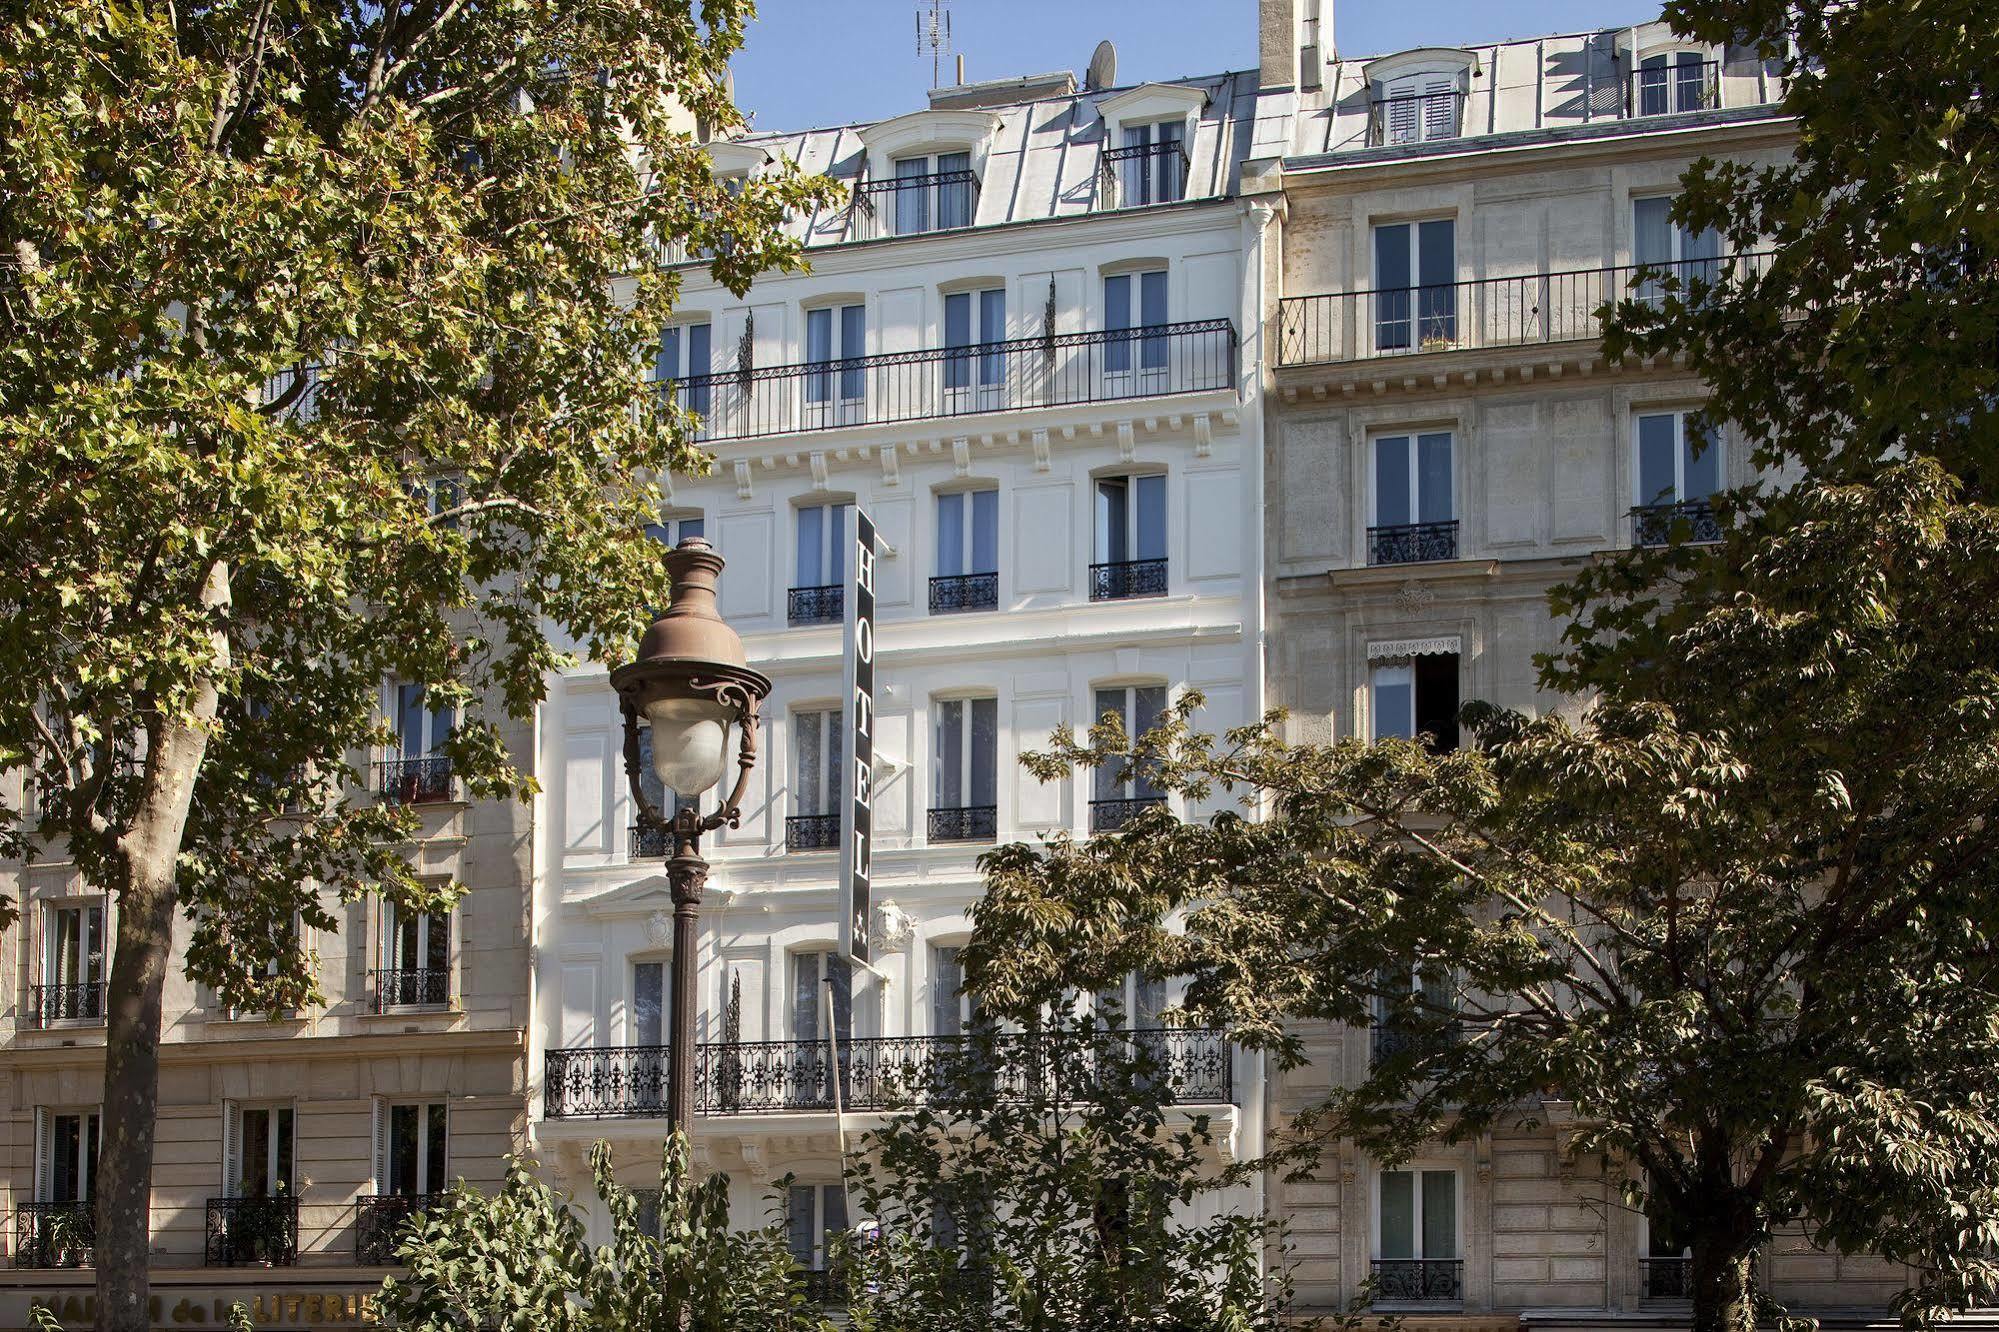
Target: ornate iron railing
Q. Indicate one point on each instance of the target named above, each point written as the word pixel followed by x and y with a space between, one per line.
pixel 967 823
pixel 1393 121
pixel 1142 174
pixel 379 1220
pixel 913 205
pixel 649 841
pixel 1673 89
pixel 1412 543
pixel 1522 310
pixel 412 987
pixel 49 1004
pixel 1020 374
pixel 55 1234
pixel 1125 579
pixel 252 1232
pixel 812 832
pixel 964 592
pixel 887 1073
pixel 1107 816
pixel 1387 1040
pixel 1693 521
pixel 414 781
pixel 1666 1278
pixel 816 605
pixel 1419 1280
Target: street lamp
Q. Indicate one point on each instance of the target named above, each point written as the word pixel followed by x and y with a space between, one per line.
pixel 689 684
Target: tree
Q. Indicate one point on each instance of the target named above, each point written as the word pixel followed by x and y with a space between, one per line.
pixel 323 330
pixel 1052 1181
pixel 1740 916
pixel 521 1261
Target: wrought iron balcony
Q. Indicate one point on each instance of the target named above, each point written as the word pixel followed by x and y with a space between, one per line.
pixel 1666 1278
pixel 913 205
pixel 412 987
pixel 414 781
pixel 1524 310
pixel 1142 174
pixel 1125 579
pixel 1692 521
pixel 1419 1280
pixel 1673 89
pixel 968 823
pixel 55 1234
pixel 1021 374
pixel 812 832
pixel 379 1220
pixel 964 592
pixel 1107 816
pixel 1412 543
pixel 648 841
pixel 1388 1040
pixel 50 1004
pixel 252 1232
pixel 886 1073
pixel 826 604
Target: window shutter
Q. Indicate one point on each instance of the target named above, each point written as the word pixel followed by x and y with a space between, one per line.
pixel 379 1143
pixel 230 1147
pixel 1440 109
pixel 41 1153
pixel 1404 111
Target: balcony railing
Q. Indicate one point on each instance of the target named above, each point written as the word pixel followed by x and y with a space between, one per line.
pixel 379 1220
pixel 412 987
pixel 968 823
pixel 1419 1280
pixel 55 1234
pixel 1125 579
pixel 964 592
pixel 913 205
pixel 887 1073
pixel 1666 1278
pixel 812 832
pixel 1412 543
pixel 816 605
pixel 1692 521
pixel 1017 375
pixel 649 841
pixel 1415 118
pixel 1107 816
pixel 1388 1040
pixel 252 1232
pixel 50 1004
pixel 1142 174
pixel 1525 310
pixel 414 781
pixel 1673 89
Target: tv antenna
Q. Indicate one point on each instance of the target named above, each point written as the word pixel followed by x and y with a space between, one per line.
pixel 933 34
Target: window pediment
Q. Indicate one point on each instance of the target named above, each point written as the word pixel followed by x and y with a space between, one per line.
pixel 927 131
pixel 1423 60
pixel 731 158
pixel 1152 101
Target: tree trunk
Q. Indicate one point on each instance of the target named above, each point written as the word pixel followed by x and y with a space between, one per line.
pixel 1723 1280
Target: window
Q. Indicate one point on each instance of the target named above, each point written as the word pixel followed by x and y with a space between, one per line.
pixel 964 800
pixel 813 974
pixel 1413 517
pixel 417 770
pixel 414 1159
pixel 967 575
pixel 817 595
pixel 258 1156
pixel 1678 473
pixel 416 958
pixel 1418 108
pixel 72 987
pixel 1674 81
pixel 1415 269
pixel 1130 537
pixel 1152 164
pixel 67 1160
pixel 953 1011
pixel 1114 802
pixel 1137 1003
pixel 670 532
pixel 933 194
pixel 1660 243
pixel 1135 301
pixel 1414 696
pixel 814 1214
pixel 1429 998
pixel 974 319
pixel 1668 1261
pixel 648 1004
pixel 684 360
pixel 814 824
pixel 1417 1237
pixel 836 338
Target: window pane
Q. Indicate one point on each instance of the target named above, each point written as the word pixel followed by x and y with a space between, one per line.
pixel 402 1149
pixel 1148 1002
pixel 1113 524
pixel 434 1165
pixel 833 1203
pixel 1398 1214
pixel 853 343
pixel 1436 707
pixel 1440 1214
pixel 1117 316
pixel 800 1224
pixel 945 978
pixel 812 546
pixel 409 719
pixel 1652 234
pixel 437 951
pixel 837 537
pixel 1152 314
pixel 65 1132
pixel 840 981
pixel 992 328
pixel 950 534
pixel 692 527
pixel 1393 276
pixel 668 365
pixel 1703 464
pixel 1656 446
pixel 985 751
pixel 1391 256
pixel 1437 307
pixel 836 779
pixel 1151 543
pixel 950 754
pixel 954 197
pixel 1394 702
pixel 818 350
pixel 985 532
pixel 648 1003
pixel 957 334
pixel 912 200
pixel 810 761
pixel 698 349
pixel 1393 504
pixel 1148 703
pixel 256 1154
pixel 805 996
pixel 1103 779
pixel 1433 479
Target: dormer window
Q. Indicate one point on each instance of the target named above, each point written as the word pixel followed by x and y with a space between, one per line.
pixel 929 193
pixel 1150 164
pixel 1670 82
pixel 921 173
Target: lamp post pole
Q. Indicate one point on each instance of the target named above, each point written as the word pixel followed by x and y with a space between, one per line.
pixel 687 874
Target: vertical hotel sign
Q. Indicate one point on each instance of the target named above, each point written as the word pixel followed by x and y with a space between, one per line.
pixel 857 819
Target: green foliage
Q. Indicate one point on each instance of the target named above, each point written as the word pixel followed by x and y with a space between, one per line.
pixel 1049 1182
pixel 520 1261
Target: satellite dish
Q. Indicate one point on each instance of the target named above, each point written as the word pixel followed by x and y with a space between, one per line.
pixel 1103 68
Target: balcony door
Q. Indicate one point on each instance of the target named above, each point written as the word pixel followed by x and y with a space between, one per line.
pixel 813 1215
pixel 822 988
pixel 1658 243
pixel 72 963
pixel 1154 164
pixel 259 1153
pixel 974 368
pixel 1114 800
pixel 964 786
pixel 1137 354
pixel 836 385
pixel 1130 537
pixel 1416 1239
pixel 416 957
pixel 414 1159
pixel 932 194
pixel 418 769
pixel 1415 292
pixel 1413 517
pixel 66 1156
pixel 685 360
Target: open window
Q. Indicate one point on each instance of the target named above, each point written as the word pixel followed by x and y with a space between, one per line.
pixel 1418 96
pixel 1130 522
pixel 58 1227
pixel 70 987
pixel 415 959
pixel 1413 691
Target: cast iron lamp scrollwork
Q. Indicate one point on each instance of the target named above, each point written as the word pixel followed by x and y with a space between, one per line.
pixel 689 684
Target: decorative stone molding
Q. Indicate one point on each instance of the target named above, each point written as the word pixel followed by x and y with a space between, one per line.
pixel 893 927
pixel 1394 648
pixel 818 471
pixel 742 478
pixel 1414 598
pixel 1204 435
pixel 659 929
pixel 961 456
pixel 1040 442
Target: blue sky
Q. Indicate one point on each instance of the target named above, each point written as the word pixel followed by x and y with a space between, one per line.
pixel 828 62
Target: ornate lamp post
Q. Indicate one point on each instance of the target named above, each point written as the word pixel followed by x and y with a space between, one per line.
pixel 689 684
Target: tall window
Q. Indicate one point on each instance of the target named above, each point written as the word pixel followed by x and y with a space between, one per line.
pixel 967 551
pixel 974 371
pixel 260 1152
pixel 1137 1003
pixel 964 799
pixel 684 360
pixel 648 1004
pixel 1414 696
pixel 1130 537
pixel 1407 1000
pixel 1418 108
pixel 1413 517
pixel 1678 473
pixel 1415 269
pixel 1660 243
pixel 933 194
pixel 72 963
pixel 1417 1236
pixel 418 770
pixel 836 337
pixel 814 1214
pixel 1673 82
pixel 814 824
pixel 811 973
pixel 1668 1256
pixel 1153 166
pixel 1135 312
pixel 1114 801
pixel 822 545
pixel 67 1164
pixel 953 1011
pixel 416 957
pixel 415 1157
pixel 671 532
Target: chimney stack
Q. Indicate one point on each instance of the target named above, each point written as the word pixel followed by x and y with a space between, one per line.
pixel 1295 42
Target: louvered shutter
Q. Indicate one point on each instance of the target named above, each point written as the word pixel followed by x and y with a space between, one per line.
pixel 41 1154
pixel 1440 108
pixel 1404 111
pixel 379 1142
pixel 231 1146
